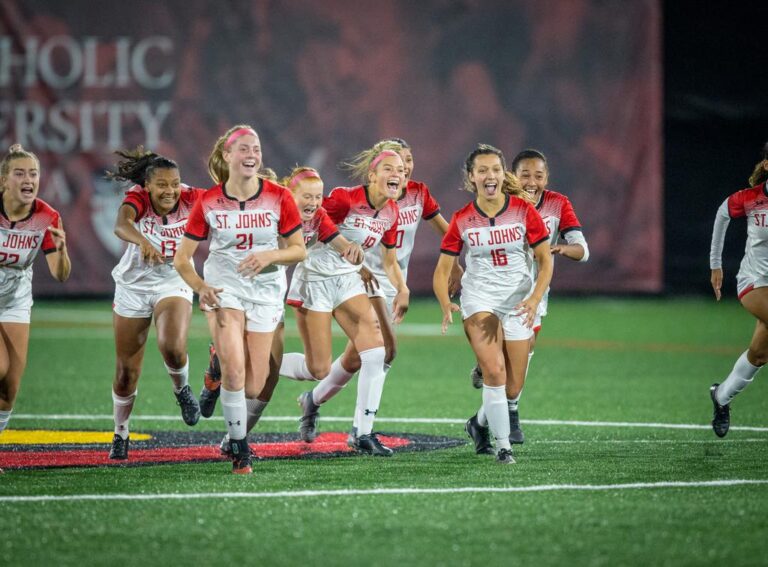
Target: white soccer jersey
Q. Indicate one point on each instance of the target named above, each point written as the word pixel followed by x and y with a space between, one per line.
pixel 240 228
pixel 318 231
pixel 20 242
pixel 415 204
pixel 358 221
pixel 752 204
pixel 164 232
pixel 498 262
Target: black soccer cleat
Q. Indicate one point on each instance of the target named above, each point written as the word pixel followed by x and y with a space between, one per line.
pixel 212 386
pixel 119 450
pixel 721 418
pixel 241 456
pixel 476 375
pixel 190 409
pixel 308 421
pixel 505 457
pixel 370 445
pixel 480 435
pixel 516 436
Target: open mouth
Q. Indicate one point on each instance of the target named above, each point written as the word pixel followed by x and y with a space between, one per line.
pixel 308 212
pixel 393 184
pixel 250 164
pixel 490 188
pixel 28 191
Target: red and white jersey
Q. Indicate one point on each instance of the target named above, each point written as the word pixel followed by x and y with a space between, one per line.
pixel 318 231
pixel 20 241
pixel 753 204
pixel 557 213
pixel 356 219
pixel 164 232
pixel 416 203
pixel 498 260
pixel 240 228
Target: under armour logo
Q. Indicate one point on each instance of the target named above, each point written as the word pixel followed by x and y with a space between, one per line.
pixel 371 412
pixel 231 424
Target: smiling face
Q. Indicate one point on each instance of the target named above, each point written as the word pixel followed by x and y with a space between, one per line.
pixel 407 156
pixel 164 187
pixel 244 156
pixel 23 181
pixel 308 194
pixel 388 178
pixel 534 176
pixel 487 176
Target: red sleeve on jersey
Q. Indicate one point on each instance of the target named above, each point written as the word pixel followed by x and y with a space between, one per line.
pixel 431 208
pixel 290 220
pixel 568 219
pixel 197 228
pixel 337 205
pixel 389 239
pixel 327 230
pixel 535 229
pixel 736 204
pixel 136 197
pixel 48 244
pixel 452 242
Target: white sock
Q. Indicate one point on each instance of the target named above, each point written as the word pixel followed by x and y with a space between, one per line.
pixel 5 417
pixel 179 376
pixel 254 407
pixel 356 417
pixel 332 384
pixel 370 385
pixel 121 410
pixel 495 405
pixel 512 402
pixel 482 419
pixel 294 366
pixel 235 412
pixel 740 377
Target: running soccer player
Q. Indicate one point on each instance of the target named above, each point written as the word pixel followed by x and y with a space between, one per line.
pixel 499 299
pixel 27 225
pixel 531 168
pixel 244 215
pixel 366 214
pixel 151 219
pixel 751 285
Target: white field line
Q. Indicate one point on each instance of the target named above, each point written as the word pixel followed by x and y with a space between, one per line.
pixel 387 491
pixel 427 420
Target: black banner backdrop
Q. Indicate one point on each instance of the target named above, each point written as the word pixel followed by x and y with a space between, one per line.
pixel 577 79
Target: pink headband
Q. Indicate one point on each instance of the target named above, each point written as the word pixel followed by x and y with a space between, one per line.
pixel 237 133
pixel 381 156
pixel 302 175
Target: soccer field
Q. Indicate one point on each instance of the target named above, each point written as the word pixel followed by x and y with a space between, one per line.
pixel 619 467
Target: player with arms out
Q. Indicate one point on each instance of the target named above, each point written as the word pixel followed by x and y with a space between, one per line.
pixel 151 219
pixel 244 215
pixel 532 169
pixel 27 225
pixel 751 285
pixel 500 295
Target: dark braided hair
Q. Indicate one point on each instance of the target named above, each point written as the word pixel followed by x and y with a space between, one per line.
pixel 138 165
pixel 760 175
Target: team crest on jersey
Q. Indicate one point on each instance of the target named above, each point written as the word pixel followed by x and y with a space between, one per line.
pixel 105 202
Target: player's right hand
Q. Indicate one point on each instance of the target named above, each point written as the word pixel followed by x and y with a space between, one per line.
pixel 209 296
pixel 448 316
pixel 150 255
pixel 369 280
pixel 717 282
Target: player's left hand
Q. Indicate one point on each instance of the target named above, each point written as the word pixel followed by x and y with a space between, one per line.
pixel 59 236
pixel 448 316
pixel 527 308
pixel 454 279
pixel 354 254
pixel 369 280
pixel 400 306
pixel 255 263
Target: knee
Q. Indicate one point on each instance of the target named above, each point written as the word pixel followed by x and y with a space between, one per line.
pixel 319 369
pixel 757 357
pixel 351 362
pixel 126 376
pixel 174 353
pixel 494 375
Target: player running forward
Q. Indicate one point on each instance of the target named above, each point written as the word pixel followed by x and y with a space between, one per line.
pixel 27 225
pixel 751 284
pixel 415 203
pixel 151 219
pixel 499 297
pixel 532 169
pixel 244 215
pixel 366 214
pixel 307 188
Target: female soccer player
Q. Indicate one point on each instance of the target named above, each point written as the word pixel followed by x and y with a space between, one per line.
pixel 531 168
pixel 415 203
pixel 751 284
pixel 27 225
pixel 499 299
pixel 151 220
pixel 244 215
pixel 366 214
